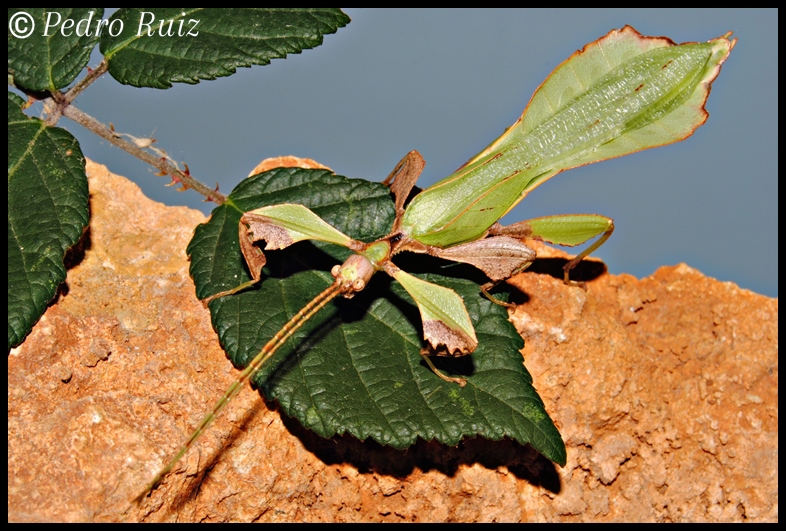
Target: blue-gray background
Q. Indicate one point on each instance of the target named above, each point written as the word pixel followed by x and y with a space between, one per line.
pixel 448 82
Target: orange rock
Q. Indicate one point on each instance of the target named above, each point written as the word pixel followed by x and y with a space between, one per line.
pixel 665 390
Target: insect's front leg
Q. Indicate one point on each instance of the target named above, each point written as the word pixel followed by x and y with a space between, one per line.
pixel 253 255
pixel 280 226
pixel 566 230
pixel 402 179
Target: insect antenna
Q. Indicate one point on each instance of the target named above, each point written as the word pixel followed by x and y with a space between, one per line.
pixel 267 351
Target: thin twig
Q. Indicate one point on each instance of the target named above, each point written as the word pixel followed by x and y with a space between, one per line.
pixel 160 163
pixel 86 82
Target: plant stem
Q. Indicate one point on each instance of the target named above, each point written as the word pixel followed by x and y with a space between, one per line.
pixel 100 70
pixel 160 163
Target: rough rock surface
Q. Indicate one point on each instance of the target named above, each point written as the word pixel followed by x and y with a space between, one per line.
pixel 665 390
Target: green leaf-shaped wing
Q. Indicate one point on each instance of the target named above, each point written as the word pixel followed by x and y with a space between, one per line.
pixel 47 213
pixel 620 94
pixel 50 58
pixel 356 367
pixel 161 46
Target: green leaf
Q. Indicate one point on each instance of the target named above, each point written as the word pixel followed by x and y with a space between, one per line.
pixel 157 46
pixel 47 213
pixel 356 366
pixel 47 59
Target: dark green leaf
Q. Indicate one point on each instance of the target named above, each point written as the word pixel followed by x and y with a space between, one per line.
pixel 50 58
pixel 155 48
pixel 47 213
pixel 356 366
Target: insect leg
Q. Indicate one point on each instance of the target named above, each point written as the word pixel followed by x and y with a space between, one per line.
pixel 566 230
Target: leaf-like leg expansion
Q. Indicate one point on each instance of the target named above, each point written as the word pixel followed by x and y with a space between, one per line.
pixel 500 257
pixel 566 230
pixel 445 319
pixel 402 179
pixel 280 226
pixel 255 260
pixel 461 381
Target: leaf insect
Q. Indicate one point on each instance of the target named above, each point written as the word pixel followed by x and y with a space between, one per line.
pixel 620 94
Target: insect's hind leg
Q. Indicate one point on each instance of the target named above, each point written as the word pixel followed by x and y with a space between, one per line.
pixel 565 230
